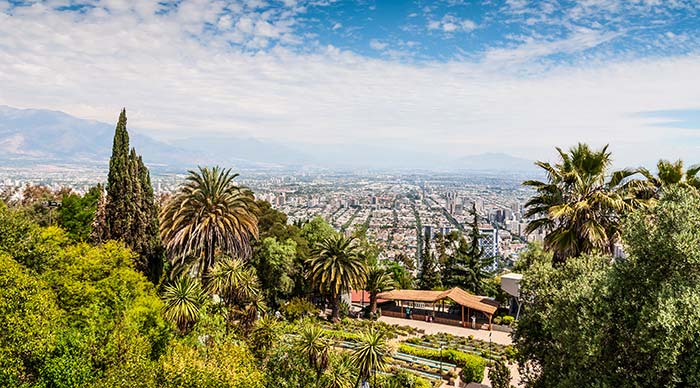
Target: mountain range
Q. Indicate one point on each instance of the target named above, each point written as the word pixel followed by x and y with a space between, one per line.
pixel 37 136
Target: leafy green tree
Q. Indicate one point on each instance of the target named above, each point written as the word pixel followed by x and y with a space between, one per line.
pixel 371 353
pixel 216 365
pixel 265 336
pixel 581 203
pixel 336 267
pixel 275 265
pixel 209 214
pixel 402 278
pixel 28 320
pixel 633 321
pixel 535 252
pixel 77 212
pixel 183 300
pixel 378 281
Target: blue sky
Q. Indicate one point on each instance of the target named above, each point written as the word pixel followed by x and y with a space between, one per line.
pixel 463 77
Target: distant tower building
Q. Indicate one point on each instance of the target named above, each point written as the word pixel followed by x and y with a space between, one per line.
pixel 489 241
pixel 428 231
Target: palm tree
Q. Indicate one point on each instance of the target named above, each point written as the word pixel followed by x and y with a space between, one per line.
pixel 579 206
pixel 378 281
pixel 209 214
pixel 337 266
pixel 315 347
pixel 671 174
pixel 371 354
pixel 238 287
pixel 183 300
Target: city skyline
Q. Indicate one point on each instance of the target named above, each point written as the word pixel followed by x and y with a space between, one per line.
pixel 451 77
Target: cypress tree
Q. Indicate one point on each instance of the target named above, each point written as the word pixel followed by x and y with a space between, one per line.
pixel 130 213
pixel 429 275
pixel 119 190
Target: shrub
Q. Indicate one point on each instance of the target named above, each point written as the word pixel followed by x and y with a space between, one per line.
pixel 497 320
pixel 499 375
pixel 473 370
pixel 508 320
pixel 298 308
pixel 510 352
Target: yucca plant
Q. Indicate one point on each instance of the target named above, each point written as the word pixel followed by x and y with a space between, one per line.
pixel 238 287
pixel 183 300
pixel 313 344
pixel 371 354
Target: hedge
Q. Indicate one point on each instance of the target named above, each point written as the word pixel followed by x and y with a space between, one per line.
pixel 472 366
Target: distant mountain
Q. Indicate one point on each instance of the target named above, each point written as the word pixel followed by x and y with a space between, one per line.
pixel 30 136
pixel 35 136
pixel 495 162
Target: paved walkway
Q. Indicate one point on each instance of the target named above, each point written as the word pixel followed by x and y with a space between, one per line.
pixel 497 337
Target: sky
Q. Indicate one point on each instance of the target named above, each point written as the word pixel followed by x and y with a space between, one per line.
pixel 451 77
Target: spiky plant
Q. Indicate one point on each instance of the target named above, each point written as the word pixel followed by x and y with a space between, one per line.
pixel 183 300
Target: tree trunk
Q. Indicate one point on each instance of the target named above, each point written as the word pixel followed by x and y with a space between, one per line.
pixel 373 303
pixel 336 308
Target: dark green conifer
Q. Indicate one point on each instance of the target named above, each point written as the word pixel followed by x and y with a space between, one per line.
pixel 130 213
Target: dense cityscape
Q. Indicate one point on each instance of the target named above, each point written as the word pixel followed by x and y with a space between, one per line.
pixel 396 210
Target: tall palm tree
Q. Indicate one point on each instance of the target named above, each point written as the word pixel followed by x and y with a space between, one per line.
pixel 238 287
pixel 580 204
pixel 371 354
pixel 315 347
pixel 378 281
pixel 336 266
pixel 209 214
pixel 671 174
pixel 183 300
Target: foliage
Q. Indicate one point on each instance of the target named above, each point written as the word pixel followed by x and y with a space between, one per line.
pixel 634 322
pixel 371 353
pixel 275 264
pixel 670 175
pixel 130 210
pixel 183 300
pixel 429 278
pixel 299 308
pixel 378 281
pixel 535 252
pixel 209 214
pixel 315 347
pixel 472 366
pixel 499 375
pixel 77 212
pixel 403 279
pixel 238 287
pixel 336 267
pixel 28 319
pixel 580 205
pixel 219 365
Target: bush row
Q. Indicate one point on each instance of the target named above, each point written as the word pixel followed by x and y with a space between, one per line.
pixel 472 366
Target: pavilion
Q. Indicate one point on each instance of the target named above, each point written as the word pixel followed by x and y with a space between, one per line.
pixel 435 300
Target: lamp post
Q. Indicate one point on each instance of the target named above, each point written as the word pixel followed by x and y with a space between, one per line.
pixel 440 359
pixel 490 332
pixel 51 205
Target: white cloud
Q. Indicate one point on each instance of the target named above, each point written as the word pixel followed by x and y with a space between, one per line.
pixel 377 44
pixel 175 85
pixel 337 26
pixel 451 23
